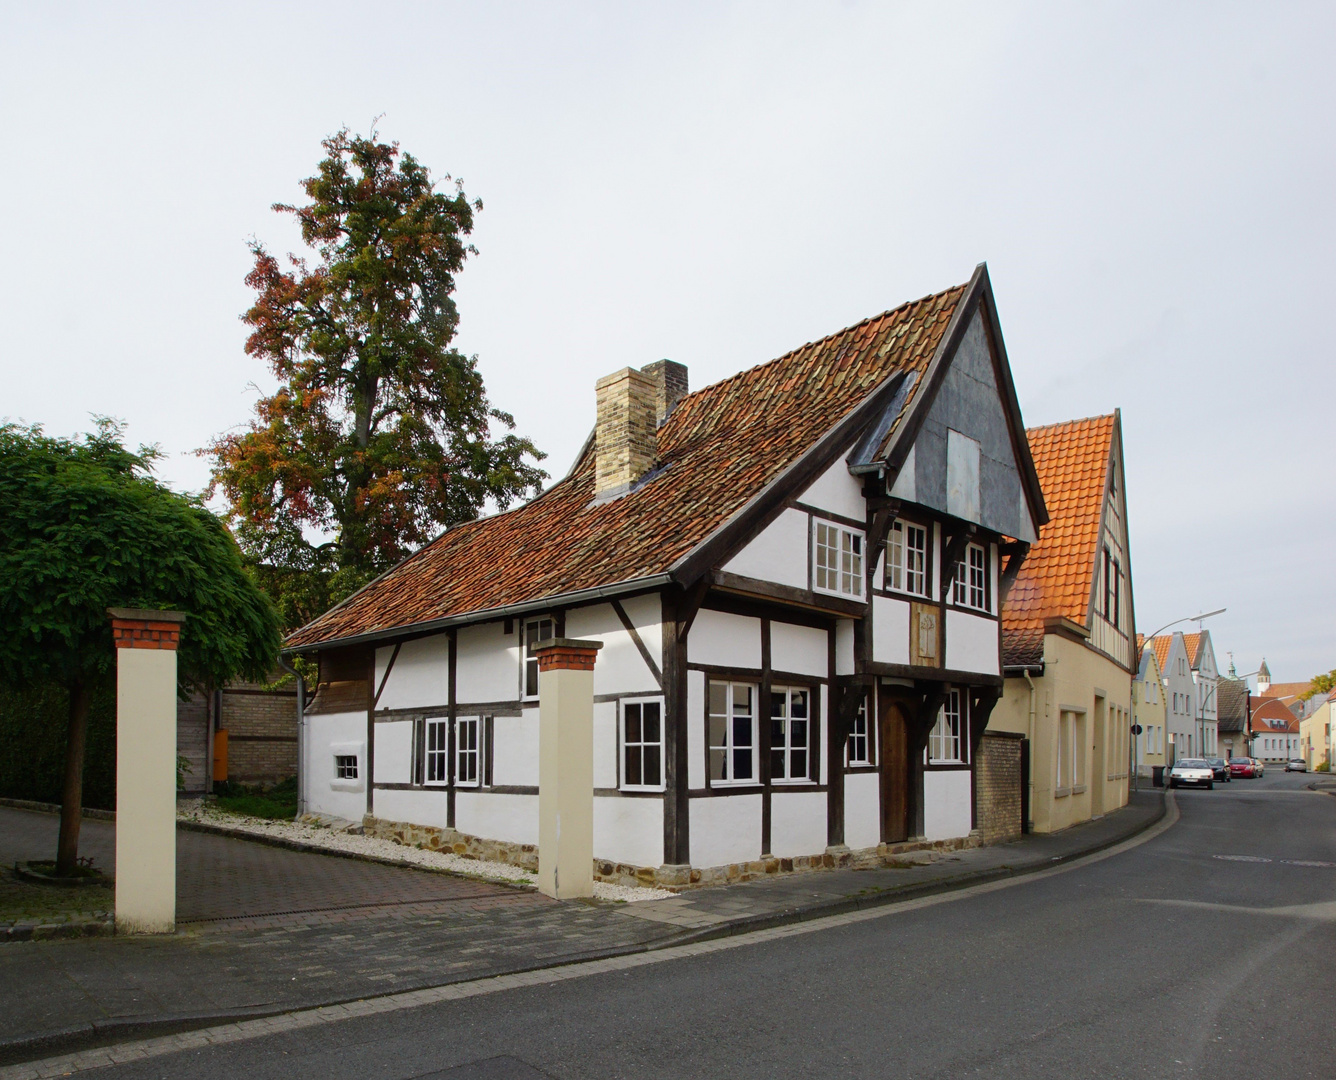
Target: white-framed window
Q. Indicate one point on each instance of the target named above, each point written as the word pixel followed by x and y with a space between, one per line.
pixel 642 745
pixel 837 559
pixel 945 744
pixel 436 751
pixel 971 575
pixel 536 631
pixel 790 733
pixel 467 756
pixel 732 732
pixel 907 558
pixel 859 748
pixel 345 766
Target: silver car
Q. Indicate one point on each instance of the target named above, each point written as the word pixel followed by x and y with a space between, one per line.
pixel 1192 772
pixel 1297 765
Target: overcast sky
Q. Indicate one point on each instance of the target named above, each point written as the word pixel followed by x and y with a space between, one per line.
pixel 1150 187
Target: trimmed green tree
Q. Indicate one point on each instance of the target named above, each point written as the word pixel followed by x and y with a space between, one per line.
pixel 86 527
pixel 379 434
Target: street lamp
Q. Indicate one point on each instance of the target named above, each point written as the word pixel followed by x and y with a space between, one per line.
pixel 1190 618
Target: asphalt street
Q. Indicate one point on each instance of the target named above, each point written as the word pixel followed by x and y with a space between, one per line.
pixel 1206 951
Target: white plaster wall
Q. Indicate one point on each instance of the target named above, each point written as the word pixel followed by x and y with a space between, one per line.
pixel 423 806
pixel 324 732
pixel 844 647
pixel 946 804
pixel 646 615
pixel 515 750
pixel 619 669
pixel 800 649
pixel 778 553
pixel 835 490
pixel 971 642
pixel 497 817
pixel 725 829
pixel 695 730
pixel 890 630
pixel 727 640
pixel 862 810
pixel 394 753
pixel 628 830
pixel 605 743
pixel 420 677
pixel 487 663
pixel 797 823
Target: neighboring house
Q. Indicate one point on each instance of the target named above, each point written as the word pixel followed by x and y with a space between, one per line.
pixel 1067 629
pixel 1276 736
pixel 1292 695
pixel 796 575
pixel 245 732
pixel 1232 716
pixel 1148 712
pixel 1315 737
pixel 1180 695
pixel 1205 678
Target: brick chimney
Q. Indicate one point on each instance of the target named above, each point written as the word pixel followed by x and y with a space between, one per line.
pixel 625 439
pixel 670 387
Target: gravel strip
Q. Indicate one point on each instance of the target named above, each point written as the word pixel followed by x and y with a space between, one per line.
pixel 337 840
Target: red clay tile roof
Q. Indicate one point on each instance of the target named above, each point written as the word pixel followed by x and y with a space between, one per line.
pixel 1072 459
pixel 1285 690
pixel 1162 645
pixel 1192 642
pixel 720 447
pixel 1271 714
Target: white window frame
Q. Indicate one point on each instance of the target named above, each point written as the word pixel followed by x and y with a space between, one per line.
pixel 624 745
pixel 436 752
pixel 787 746
pixel 529 664
pixel 950 732
pixel 970 588
pixel 906 567
pixel 846 548
pixel 730 746
pixel 860 733
pixel 468 751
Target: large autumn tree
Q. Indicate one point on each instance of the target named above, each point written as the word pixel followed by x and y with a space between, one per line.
pixel 85 527
pixel 380 432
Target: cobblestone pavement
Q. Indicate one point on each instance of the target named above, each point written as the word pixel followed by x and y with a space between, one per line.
pixel 277 930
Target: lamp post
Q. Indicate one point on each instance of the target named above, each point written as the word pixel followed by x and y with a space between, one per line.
pixel 1189 618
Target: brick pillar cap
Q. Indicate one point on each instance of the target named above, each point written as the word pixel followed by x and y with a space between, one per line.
pixel 147 614
pixel 565 643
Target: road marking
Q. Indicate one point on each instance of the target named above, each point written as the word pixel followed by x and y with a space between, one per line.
pixel 1322 911
pixel 245 1030
pixel 1282 862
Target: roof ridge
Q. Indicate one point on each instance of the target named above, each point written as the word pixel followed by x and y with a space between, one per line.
pixel 1071 423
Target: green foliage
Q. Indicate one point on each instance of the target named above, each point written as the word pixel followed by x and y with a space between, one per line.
pixel 277 802
pixel 380 432
pixel 1324 766
pixel 1321 684
pixel 32 744
pixel 86 527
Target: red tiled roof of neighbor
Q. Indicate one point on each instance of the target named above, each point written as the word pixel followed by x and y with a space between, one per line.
pixel 1273 715
pixel 1287 690
pixel 1072 460
pixel 1192 642
pixel 720 447
pixel 1162 645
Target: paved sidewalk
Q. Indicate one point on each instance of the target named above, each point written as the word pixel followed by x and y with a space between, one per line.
pixel 403 929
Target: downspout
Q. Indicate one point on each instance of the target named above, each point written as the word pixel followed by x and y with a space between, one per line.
pixel 1029 734
pixel 301 735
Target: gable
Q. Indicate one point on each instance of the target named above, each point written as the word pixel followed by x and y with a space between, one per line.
pixel 963 461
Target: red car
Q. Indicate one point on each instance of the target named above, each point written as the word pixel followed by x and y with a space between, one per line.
pixel 1242 766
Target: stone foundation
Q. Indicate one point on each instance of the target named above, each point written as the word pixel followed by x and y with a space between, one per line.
pixel 673 878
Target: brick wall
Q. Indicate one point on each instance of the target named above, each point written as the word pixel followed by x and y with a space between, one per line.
pixel 999 789
pixel 261 733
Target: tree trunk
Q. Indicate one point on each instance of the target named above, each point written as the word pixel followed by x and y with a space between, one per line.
pixel 71 807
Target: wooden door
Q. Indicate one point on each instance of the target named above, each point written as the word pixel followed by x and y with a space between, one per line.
pixel 893 739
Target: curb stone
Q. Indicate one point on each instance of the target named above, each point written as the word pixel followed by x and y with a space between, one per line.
pixel 108 1033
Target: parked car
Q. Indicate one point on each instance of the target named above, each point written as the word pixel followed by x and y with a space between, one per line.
pixel 1192 772
pixel 1220 767
pixel 1259 767
pixel 1297 765
pixel 1241 766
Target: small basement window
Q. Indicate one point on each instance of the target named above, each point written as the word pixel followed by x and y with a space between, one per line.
pixel 345 766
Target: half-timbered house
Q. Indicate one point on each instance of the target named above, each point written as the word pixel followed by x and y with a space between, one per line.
pixel 795 574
